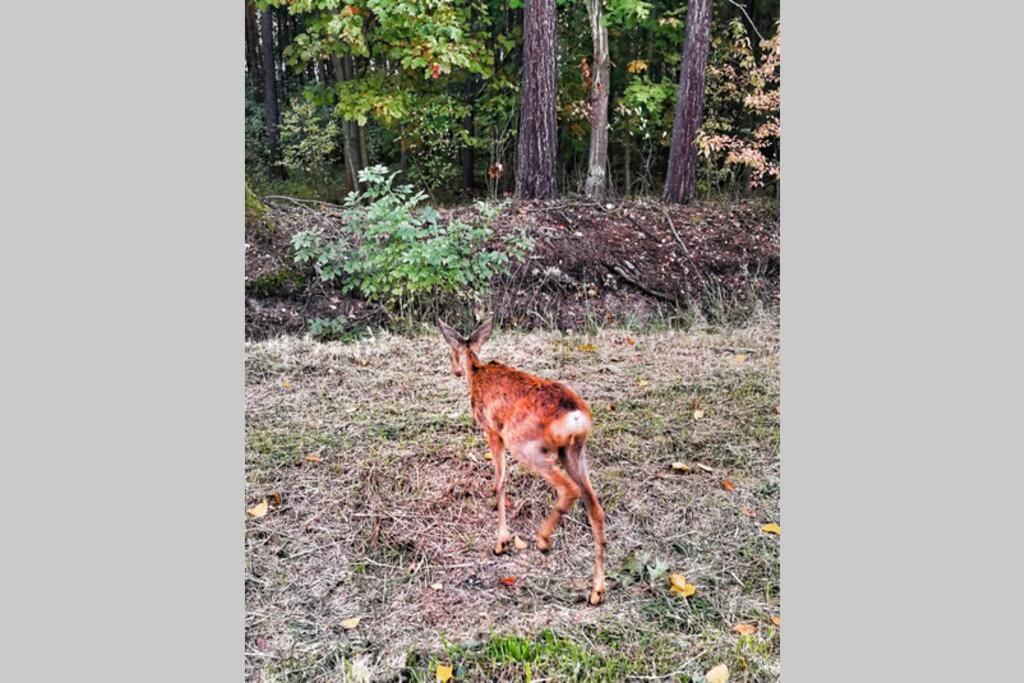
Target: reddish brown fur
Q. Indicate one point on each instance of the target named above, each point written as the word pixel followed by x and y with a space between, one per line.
pixel 537 420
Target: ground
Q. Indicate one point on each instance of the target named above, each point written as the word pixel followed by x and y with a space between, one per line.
pixel 380 506
pixel 619 263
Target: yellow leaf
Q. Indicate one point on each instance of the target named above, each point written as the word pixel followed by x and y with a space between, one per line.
pixel 738 358
pixel 350 623
pixel 698 414
pixel 587 348
pixel 258 510
pixel 444 673
pixel 677 581
pixel 718 674
pixel 680 467
pixel 519 543
pixel 777 620
pixel 636 66
pixel 313 457
pixel 745 629
pixel 642 383
pixel 771 528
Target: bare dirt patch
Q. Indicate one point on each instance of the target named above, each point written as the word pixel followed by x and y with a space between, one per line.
pixel 592 262
pixel 392 520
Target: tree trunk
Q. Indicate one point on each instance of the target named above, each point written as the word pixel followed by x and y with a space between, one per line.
pixel 351 151
pixel 270 91
pixel 252 49
pixel 628 162
pixel 681 180
pixel 597 181
pixel 538 118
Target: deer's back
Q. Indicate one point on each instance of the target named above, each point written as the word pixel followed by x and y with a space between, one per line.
pixel 507 401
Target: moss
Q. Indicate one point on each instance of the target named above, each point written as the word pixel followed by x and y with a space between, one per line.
pixel 279 282
pixel 256 214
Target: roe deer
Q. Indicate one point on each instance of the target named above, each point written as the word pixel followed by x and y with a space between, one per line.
pixel 544 425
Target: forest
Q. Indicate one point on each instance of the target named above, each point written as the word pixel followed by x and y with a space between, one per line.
pixel 449 92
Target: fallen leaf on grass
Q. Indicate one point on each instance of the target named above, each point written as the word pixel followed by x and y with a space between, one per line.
pixel 738 358
pixel 285 385
pixel 777 620
pixel 748 512
pixel 519 543
pixel 587 348
pixel 771 528
pixel 728 485
pixel 258 510
pixel 698 414
pixel 680 467
pixel 642 383
pixel 436 586
pixel 277 497
pixel 443 673
pixel 679 585
pixel 630 341
pixel 507 580
pixel 745 629
pixel 351 623
pixel 313 457
pixel 705 467
pixel 718 674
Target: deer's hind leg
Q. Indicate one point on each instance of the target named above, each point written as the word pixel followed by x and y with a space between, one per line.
pixel 540 460
pixel 576 466
pixel 498 453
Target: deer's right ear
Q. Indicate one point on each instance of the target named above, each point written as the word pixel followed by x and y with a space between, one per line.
pixel 450 335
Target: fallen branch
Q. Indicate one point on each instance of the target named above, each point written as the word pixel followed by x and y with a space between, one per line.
pixel 639 285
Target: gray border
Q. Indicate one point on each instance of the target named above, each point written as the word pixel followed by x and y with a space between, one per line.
pixel 898 292
pixel 122 282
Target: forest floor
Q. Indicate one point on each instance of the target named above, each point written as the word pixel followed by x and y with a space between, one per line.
pixel 629 262
pixel 380 509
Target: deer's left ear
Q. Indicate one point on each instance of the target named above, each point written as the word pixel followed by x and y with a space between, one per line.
pixel 481 335
pixel 450 335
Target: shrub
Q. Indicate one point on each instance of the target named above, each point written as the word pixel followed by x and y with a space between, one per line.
pixel 397 253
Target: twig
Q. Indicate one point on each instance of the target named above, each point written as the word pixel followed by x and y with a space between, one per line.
pixel 639 285
pixel 743 9
pixel 686 252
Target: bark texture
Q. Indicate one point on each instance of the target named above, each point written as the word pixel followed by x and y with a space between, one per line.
pixel 597 165
pixel 681 180
pixel 538 138
pixel 270 91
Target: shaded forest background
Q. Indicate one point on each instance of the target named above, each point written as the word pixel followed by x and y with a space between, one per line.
pixel 433 89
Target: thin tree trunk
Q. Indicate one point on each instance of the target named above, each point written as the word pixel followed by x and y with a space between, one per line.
pixel 681 180
pixel 538 138
pixel 596 185
pixel 351 152
pixel 627 159
pixel 252 49
pixel 270 91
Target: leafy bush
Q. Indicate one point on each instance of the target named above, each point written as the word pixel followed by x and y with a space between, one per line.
pixel 326 329
pixel 310 140
pixel 395 252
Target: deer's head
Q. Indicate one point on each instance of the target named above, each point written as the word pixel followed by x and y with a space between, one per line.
pixel 465 350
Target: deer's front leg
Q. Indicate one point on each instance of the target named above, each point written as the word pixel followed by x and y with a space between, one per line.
pixel 498 456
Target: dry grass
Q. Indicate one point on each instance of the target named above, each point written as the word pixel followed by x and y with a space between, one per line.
pixel 401 500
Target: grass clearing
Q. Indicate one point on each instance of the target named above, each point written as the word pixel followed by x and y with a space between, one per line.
pixel 395 522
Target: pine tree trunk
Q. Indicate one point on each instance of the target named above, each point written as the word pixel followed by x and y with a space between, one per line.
pixel 252 49
pixel 270 91
pixel 352 165
pixel 596 185
pixel 538 138
pixel 681 180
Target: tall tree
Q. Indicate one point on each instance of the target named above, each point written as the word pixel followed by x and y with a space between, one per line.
pixel 270 90
pixel 600 76
pixel 538 139
pixel 681 180
pixel 252 49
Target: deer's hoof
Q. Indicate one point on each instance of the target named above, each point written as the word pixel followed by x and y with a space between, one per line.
pixel 597 595
pixel 543 544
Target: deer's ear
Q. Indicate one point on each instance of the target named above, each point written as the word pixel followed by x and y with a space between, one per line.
pixel 450 335
pixel 481 334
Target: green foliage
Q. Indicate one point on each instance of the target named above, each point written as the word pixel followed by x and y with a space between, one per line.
pixel 395 252
pixel 327 329
pixel 311 140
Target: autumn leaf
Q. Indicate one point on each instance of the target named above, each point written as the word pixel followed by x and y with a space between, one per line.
pixel 738 358
pixel 258 510
pixel 436 586
pixel 519 543
pixel 636 66
pixel 678 585
pixel 587 348
pixel 642 383
pixel 745 629
pixel 443 673
pixel 771 528
pixel 313 457
pixel 704 467
pixel 777 620
pixel 728 485
pixel 350 624
pixel 630 341
pixel 507 580
pixel 277 497
pixel 718 674
pixel 680 467
pixel 698 414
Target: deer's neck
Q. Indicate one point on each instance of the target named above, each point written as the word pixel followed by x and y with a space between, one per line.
pixel 470 363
